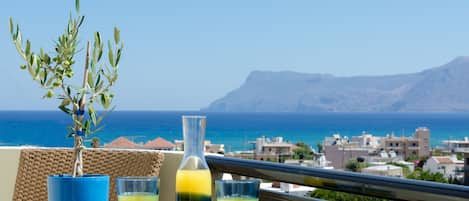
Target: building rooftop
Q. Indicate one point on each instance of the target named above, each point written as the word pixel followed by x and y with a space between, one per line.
pixel 159 143
pixel 278 145
pixel 443 159
pixel 464 141
pixel 383 167
pixel 447 160
pixel 422 129
pixel 121 142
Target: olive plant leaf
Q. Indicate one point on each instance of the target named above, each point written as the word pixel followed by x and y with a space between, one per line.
pixel 77 5
pixel 11 26
pixel 102 116
pixel 28 47
pixel 118 57
pixel 110 55
pixel 65 109
pixel 87 127
pixel 96 130
pixel 117 35
pixel 90 79
pixel 98 80
pixel 18 34
pixel 82 19
pixel 92 115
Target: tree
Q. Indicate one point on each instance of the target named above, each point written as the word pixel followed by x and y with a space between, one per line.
pixel 355 166
pixel 341 196
pixel 95 142
pixel 303 151
pixel 54 72
pixel 460 156
pixel 422 161
pixel 419 174
pixel 412 158
pixel 320 147
pixel 437 152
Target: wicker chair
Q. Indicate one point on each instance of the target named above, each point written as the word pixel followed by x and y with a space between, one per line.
pixel 36 164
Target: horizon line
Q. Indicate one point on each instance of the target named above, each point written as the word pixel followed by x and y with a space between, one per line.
pixel 254 112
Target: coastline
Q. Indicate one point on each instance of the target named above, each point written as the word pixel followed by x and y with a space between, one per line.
pixel 232 129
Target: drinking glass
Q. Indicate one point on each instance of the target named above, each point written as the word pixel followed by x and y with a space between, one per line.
pixel 137 188
pixel 244 190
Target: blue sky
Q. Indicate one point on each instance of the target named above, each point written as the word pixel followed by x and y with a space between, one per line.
pixel 181 55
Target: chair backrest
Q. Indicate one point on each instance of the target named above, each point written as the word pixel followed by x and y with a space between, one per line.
pixel 36 164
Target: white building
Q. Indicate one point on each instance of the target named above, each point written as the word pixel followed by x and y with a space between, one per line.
pixel 449 166
pixel 320 162
pixel 367 140
pixel 291 189
pixel 208 147
pixel 276 146
pixel 384 170
pixel 339 150
pixel 335 139
pixel 457 146
pixel 410 165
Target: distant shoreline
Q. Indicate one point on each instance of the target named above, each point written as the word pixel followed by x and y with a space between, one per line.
pixel 47 128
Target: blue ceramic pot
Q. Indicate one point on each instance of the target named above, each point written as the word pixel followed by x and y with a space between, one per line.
pixel 86 188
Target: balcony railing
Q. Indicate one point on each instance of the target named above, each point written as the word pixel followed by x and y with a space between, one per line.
pixel 350 182
pixel 461 149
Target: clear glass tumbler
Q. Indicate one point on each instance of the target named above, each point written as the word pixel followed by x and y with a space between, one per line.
pixel 243 190
pixel 137 189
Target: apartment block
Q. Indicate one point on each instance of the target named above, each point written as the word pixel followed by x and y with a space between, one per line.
pixel 416 145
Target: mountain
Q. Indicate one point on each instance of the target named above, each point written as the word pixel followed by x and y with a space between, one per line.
pixel 441 89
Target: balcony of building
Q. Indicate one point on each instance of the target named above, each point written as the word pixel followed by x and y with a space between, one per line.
pixel 362 184
pixel 412 147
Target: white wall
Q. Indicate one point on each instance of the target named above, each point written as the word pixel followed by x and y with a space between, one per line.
pixel 446 169
pixel 9 160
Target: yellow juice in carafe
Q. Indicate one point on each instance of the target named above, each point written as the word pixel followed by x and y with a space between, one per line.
pixel 193 185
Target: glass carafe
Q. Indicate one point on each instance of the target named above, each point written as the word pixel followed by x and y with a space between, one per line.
pixel 193 179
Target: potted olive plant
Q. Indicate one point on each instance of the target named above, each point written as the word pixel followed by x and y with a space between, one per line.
pixel 54 72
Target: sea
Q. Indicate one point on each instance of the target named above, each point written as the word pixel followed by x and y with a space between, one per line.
pixel 235 130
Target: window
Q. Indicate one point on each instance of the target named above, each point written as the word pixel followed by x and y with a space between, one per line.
pixel 397 144
pixel 390 144
pixel 414 144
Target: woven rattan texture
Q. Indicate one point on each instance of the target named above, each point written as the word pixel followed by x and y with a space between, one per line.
pixel 36 164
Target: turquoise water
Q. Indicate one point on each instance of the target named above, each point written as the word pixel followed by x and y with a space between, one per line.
pixel 231 129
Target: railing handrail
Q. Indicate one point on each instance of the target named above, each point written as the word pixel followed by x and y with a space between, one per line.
pixel 364 184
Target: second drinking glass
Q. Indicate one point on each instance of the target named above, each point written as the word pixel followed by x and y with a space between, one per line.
pixel 244 190
pixel 137 189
